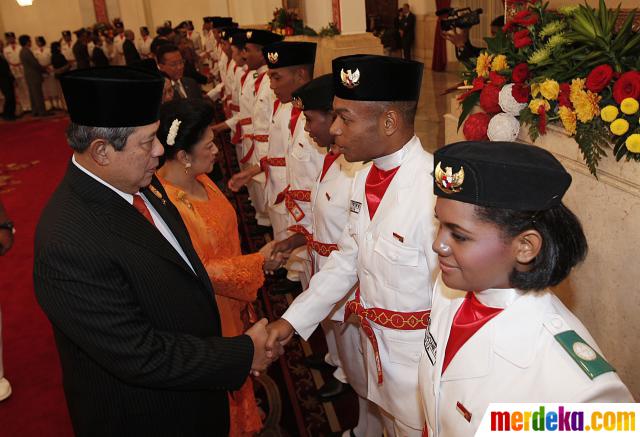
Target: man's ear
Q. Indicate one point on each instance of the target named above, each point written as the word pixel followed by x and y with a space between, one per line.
pixel 100 151
pixel 527 246
pixel 391 121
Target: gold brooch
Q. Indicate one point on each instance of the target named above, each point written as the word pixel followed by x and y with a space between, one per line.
pixel 273 57
pixel 182 197
pixel 448 181
pixel 297 103
pixel 157 193
pixel 349 79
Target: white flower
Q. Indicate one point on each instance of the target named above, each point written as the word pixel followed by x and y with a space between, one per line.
pixel 508 103
pixel 173 132
pixel 503 127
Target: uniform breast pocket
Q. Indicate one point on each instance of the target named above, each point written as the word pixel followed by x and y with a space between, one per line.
pixel 404 347
pixel 400 263
pixel 300 153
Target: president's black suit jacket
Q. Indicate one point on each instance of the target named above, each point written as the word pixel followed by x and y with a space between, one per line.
pixel 138 333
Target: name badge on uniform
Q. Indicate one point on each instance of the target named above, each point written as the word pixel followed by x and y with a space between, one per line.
pixel 355 207
pixel 430 346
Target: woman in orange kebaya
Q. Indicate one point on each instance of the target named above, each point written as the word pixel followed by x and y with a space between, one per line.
pixel 211 221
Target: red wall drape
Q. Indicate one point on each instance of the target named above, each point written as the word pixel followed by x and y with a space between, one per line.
pixel 335 6
pixel 439 61
pixel 100 7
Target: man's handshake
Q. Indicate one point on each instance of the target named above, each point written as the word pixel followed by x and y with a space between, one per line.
pixel 268 343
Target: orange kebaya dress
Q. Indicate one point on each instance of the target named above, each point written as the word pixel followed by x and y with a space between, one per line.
pixel 236 278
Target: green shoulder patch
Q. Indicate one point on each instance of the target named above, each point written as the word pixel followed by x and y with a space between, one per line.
pixel 590 361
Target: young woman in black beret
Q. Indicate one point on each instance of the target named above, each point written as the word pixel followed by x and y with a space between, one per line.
pixel 497 332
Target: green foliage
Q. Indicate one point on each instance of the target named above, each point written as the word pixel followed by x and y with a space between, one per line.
pixel 593 139
pixel 330 30
pixel 467 106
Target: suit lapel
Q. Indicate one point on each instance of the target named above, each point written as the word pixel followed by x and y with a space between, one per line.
pixel 172 218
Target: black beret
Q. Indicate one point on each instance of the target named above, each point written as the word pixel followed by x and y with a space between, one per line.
pixel 40 40
pixel 66 33
pixel 238 39
pixel 144 29
pixel 9 35
pixel 164 31
pixel 500 175
pixel 228 32
pixel 80 32
pixel 262 37
pixel 112 96
pixel 289 53
pixel 119 25
pixel 317 94
pixel 377 78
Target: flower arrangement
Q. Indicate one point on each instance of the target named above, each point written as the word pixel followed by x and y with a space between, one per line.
pixel 286 22
pixel 575 67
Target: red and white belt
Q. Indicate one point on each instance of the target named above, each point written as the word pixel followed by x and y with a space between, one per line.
pixel 267 162
pixel 389 319
pixel 322 249
pixel 237 136
pixel 291 199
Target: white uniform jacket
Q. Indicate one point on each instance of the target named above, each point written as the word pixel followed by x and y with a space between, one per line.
pixel 67 51
pixel 144 47
pixel 330 210
pixel 304 165
pixel 391 256
pixel 43 55
pixel 276 175
pixel 12 55
pixel 118 50
pixel 514 357
pixel 194 36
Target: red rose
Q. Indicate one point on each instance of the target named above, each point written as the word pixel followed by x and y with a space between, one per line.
pixel 521 39
pixel 477 85
pixel 520 92
pixel 497 79
pixel 525 18
pixel 489 98
pixel 475 127
pixel 563 97
pixel 520 73
pixel 627 86
pixel 599 78
pixel 542 120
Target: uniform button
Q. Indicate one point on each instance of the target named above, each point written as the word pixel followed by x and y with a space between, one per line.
pixel 393 257
pixel 556 323
pixel 369 236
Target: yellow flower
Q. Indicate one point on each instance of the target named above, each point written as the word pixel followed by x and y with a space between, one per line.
pixel 499 63
pixel 483 63
pixel 550 89
pixel 568 118
pixel 577 85
pixel 619 127
pixel 633 143
pixel 536 103
pixel 535 89
pixel 587 105
pixel 609 113
pixel 629 106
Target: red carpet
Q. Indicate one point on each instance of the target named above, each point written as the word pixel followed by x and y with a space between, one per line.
pixel 37 406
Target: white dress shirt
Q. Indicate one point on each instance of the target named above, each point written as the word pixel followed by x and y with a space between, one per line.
pixel 157 219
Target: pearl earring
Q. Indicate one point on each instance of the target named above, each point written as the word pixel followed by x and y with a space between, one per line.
pixel 187 166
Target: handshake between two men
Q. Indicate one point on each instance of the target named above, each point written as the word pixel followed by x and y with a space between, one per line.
pixel 269 339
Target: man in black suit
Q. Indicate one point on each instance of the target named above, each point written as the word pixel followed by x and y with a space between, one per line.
pixel 131 55
pixel 170 62
pixel 81 50
pixel 131 305
pixel 33 72
pixel 407 30
pixel 7 87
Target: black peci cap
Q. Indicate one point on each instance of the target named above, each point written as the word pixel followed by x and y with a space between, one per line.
pixel 377 78
pixel 66 33
pixel 315 95
pixel 262 37
pixel 238 39
pixel 112 96
pixel 289 53
pixel 9 35
pixel 500 175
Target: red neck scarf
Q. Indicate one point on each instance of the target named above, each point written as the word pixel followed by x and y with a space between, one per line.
pixel 329 159
pixel 276 104
pixel 470 317
pixel 256 87
pixel 295 114
pixel 377 183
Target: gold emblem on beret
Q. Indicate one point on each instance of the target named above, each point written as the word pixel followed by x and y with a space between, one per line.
pixel 297 103
pixel 350 80
pixel 231 40
pixel 249 33
pixel 273 57
pixel 448 181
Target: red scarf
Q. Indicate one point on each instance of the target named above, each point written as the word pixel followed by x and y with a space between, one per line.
pixel 295 114
pixel 377 183
pixel 329 159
